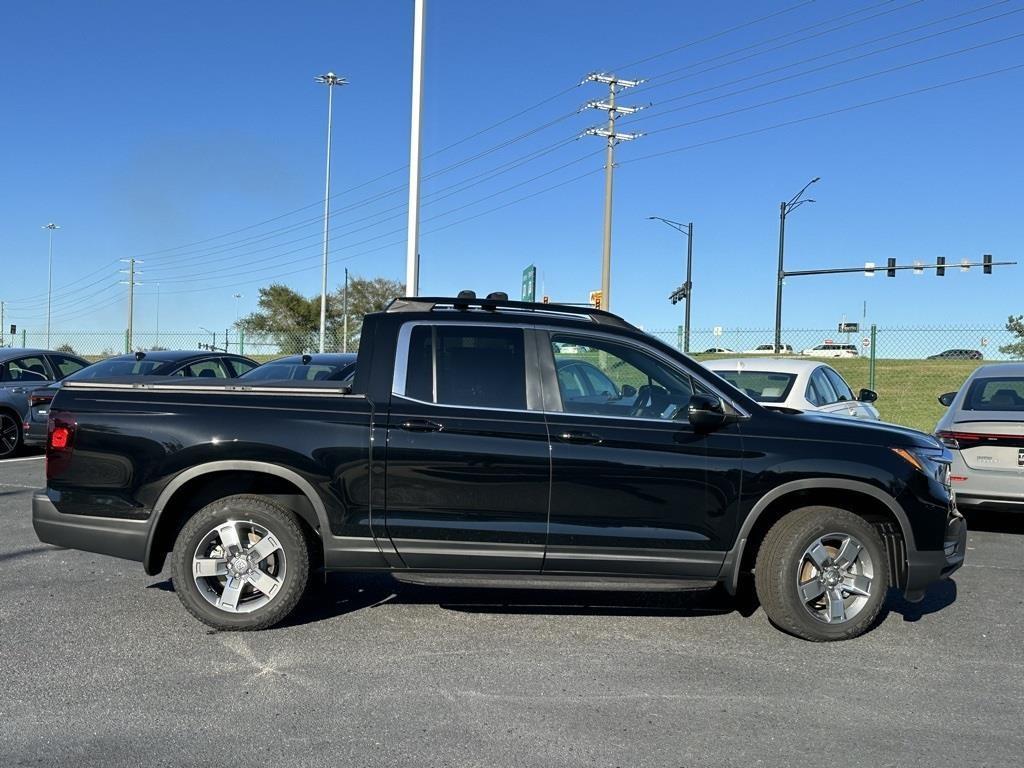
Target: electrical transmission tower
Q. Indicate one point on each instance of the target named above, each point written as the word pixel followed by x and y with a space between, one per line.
pixel 612 137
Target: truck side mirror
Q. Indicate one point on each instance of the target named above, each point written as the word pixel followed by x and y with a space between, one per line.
pixel 707 411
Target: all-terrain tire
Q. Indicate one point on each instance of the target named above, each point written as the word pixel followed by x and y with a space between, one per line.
pixel 253 518
pixel 786 573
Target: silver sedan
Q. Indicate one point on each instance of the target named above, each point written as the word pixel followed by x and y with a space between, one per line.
pixel 984 428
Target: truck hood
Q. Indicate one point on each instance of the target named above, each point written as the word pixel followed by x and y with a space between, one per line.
pixel 823 426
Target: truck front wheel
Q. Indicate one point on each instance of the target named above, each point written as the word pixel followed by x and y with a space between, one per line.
pixel 241 563
pixel 822 574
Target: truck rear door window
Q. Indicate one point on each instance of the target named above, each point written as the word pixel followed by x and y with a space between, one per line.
pixel 460 365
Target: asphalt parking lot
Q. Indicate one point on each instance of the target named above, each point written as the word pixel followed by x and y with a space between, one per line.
pixel 100 665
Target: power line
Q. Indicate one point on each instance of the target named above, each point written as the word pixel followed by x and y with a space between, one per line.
pixel 822 115
pixel 816 69
pixel 838 84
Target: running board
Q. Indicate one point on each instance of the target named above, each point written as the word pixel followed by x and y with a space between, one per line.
pixel 551 581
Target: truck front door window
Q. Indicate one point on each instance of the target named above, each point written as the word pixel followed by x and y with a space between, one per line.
pixel 603 378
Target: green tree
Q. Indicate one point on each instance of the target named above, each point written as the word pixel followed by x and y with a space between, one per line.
pixel 289 319
pixel 292 321
pixel 365 296
pixel 1015 325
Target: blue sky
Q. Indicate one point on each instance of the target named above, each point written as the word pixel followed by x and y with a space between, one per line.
pixel 156 130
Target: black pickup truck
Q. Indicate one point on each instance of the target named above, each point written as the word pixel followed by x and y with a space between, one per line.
pixel 495 443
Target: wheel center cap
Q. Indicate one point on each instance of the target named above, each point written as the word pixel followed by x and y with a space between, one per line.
pixel 831 576
pixel 239 564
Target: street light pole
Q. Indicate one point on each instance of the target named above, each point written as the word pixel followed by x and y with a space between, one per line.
pixel 412 248
pixel 330 80
pixel 786 208
pixel 685 291
pixel 49 276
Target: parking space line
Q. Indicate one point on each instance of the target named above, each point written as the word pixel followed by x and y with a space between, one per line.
pixel 23 458
pixel 13 485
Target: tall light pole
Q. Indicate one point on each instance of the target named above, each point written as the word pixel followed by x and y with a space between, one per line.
pixel 611 137
pixel 49 276
pixel 412 249
pixel 330 80
pixel 156 343
pixel 344 321
pixel 786 208
pixel 685 291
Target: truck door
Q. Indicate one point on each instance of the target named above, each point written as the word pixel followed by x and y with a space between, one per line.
pixel 468 467
pixel 636 489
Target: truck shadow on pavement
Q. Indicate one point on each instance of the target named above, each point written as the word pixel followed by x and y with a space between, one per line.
pixel 340 594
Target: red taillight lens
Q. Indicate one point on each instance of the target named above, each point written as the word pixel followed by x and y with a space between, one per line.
pixel 60 437
pixel 60 440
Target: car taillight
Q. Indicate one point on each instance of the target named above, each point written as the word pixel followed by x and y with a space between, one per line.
pixel 963 440
pixel 34 400
pixel 948 439
pixel 60 439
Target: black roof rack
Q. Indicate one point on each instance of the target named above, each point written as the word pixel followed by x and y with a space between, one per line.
pixel 430 303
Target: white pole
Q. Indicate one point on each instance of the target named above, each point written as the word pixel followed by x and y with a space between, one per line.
pixel 157 342
pixel 412 253
pixel 327 213
pixel 49 277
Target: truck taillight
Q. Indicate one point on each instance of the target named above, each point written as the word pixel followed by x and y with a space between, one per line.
pixel 34 400
pixel 60 439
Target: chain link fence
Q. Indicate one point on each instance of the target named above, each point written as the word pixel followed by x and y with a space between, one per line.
pixel 908 367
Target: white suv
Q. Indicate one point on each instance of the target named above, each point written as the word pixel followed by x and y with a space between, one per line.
pixel 832 350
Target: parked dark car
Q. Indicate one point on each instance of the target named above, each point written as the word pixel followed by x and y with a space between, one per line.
pixel 22 370
pixel 957 354
pixel 328 366
pixel 458 457
pixel 185 363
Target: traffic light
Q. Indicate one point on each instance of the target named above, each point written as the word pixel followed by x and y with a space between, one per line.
pixel 545 300
pixel 940 269
pixel 986 263
pixel 891 270
pixel 595 299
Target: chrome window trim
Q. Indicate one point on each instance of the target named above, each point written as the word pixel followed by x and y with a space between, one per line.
pixel 402 361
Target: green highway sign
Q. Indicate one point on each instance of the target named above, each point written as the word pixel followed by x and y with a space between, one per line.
pixel 530 283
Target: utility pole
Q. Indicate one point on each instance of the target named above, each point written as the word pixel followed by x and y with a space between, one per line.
pixel 412 249
pixel 685 291
pixel 131 298
pixel 786 208
pixel 2 326
pixel 612 138
pixel 344 320
pixel 49 276
pixel 330 80
pixel 157 342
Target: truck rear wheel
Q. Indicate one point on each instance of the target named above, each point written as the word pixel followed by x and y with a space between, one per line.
pixel 822 574
pixel 241 563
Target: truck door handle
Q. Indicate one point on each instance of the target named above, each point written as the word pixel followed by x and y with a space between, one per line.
pixel 421 425
pixel 581 438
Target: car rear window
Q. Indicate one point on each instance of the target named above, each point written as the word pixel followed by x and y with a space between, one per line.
pixel 763 386
pixel 106 368
pixel 996 394
pixel 293 371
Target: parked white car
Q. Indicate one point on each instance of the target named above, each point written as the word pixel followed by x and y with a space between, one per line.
pixel 984 428
pixel 769 349
pixel 832 350
pixel 805 385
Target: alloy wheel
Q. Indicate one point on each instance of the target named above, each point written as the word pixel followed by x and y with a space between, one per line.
pixel 239 566
pixel 834 578
pixel 8 436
